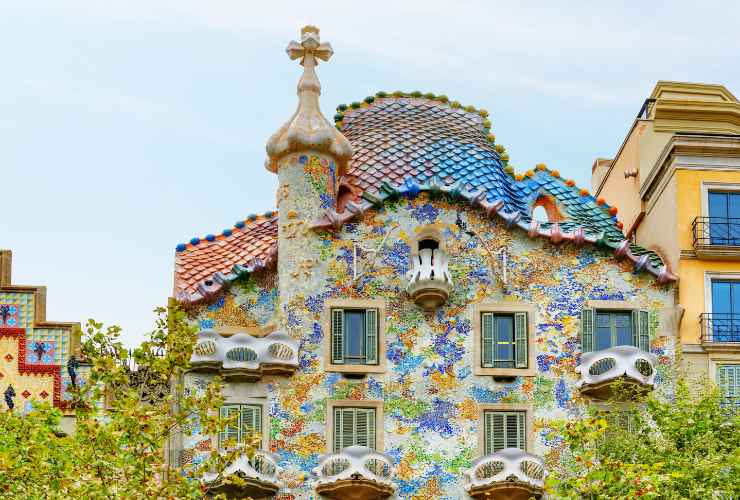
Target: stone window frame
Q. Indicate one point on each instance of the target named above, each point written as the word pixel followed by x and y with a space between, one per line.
pixel 428 232
pixel 504 308
pixel 528 410
pixel 378 304
pixel 616 305
pixel 263 403
pixel 373 404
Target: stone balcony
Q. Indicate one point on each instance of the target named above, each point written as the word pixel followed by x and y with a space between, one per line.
pixel 355 473
pixel 430 282
pixel 510 474
pixel 244 357
pixel 246 478
pixel 616 368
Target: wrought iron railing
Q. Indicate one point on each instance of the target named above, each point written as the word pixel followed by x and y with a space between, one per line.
pixel 720 327
pixel 721 231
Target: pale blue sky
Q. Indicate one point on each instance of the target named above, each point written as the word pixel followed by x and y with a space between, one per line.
pixel 128 127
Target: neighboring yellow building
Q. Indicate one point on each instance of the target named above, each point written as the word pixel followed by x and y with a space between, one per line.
pixel 676 182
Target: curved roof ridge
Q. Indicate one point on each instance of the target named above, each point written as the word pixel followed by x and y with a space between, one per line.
pixel 238 225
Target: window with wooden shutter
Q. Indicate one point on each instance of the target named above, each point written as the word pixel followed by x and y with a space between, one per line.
pixel 248 422
pixel 504 429
pixel 371 336
pixel 587 330
pixel 504 340
pixel 520 339
pixel 354 336
pixel 354 427
pixel 643 340
pixel 337 336
pixel 728 379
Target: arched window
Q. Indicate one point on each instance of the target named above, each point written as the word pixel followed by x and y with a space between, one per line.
pixel 545 209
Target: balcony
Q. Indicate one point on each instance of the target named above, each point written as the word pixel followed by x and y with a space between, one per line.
pixel 243 357
pixel 716 237
pixel 508 474
pixel 246 478
pixel 604 371
pixel 720 331
pixel 355 473
pixel 430 282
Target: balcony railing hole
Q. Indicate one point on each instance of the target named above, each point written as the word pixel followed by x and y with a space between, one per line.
pixel 262 465
pixel 335 466
pixel 643 366
pixel 280 351
pixel 207 348
pixel 602 366
pixel 241 354
pixel 378 467
pixel 532 470
pixel 489 469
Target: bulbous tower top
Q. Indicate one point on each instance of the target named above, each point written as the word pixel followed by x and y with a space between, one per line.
pixel 308 129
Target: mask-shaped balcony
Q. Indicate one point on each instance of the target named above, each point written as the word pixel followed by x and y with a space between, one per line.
pixel 510 474
pixel 246 478
pixel 430 282
pixel 243 357
pixel 609 372
pixel 355 473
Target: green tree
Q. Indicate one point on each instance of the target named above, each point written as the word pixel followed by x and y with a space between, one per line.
pixel 118 448
pixel 685 447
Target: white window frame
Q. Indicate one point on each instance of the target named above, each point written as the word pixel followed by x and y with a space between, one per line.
pixel 265 431
pixel 706 187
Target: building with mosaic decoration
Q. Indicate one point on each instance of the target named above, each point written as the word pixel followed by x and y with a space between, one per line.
pixel 676 178
pixel 416 314
pixel 39 359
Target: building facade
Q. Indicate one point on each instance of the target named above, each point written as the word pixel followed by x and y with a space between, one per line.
pixel 402 326
pixel 676 180
pixel 39 359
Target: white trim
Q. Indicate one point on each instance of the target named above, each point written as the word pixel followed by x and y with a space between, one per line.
pixel 715 186
pixel 713 275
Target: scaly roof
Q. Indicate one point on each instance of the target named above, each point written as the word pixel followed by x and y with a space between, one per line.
pixel 205 265
pixel 404 144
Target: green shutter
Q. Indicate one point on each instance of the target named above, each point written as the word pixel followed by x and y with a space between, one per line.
pixel 337 336
pixel 487 340
pixel 229 431
pixel 728 379
pixel 644 340
pixel 348 427
pixel 587 330
pixel 495 429
pixel 365 427
pixel 520 339
pixel 251 420
pixel 371 337
pixel 337 429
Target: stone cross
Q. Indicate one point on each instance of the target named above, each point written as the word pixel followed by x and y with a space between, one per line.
pixel 309 50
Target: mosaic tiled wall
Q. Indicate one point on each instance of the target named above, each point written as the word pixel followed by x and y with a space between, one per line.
pixel 430 393
pixel 42 349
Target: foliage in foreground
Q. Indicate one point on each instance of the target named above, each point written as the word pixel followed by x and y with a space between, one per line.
pixel 118 448
pixel 688 447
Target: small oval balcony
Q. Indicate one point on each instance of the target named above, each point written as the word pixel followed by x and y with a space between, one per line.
pixel 510 474
pixel 355 473
pixel 244 477
pixel 602 371
pixel 243 357
pixel 430 282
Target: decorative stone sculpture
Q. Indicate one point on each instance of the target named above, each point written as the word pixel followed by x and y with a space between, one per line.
pixel 259 475
pixel 430 282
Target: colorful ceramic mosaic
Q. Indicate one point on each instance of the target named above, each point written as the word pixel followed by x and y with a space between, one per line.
pixel 34 351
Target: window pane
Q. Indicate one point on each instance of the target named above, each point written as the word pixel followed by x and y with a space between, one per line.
pixel 354 336
pixel 603 332
pixel 505 332
pixel 717 204
pixel 623 322
pixel 733 206
pixel 721 303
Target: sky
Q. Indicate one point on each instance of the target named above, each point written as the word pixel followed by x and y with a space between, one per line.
pixel 127 127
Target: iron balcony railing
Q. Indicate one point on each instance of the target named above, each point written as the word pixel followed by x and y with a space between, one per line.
pixel 720 327
pixel 722 231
